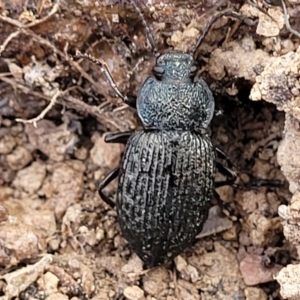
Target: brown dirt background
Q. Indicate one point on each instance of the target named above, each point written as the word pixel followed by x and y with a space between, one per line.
pixel 58 239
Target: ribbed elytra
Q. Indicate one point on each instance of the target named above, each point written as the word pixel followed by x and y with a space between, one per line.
pixel 164 192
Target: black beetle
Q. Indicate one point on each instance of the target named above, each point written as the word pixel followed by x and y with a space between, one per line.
pixel 166 178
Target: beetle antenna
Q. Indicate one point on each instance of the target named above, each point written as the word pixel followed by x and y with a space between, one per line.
pixel 147 28
pixel 212 21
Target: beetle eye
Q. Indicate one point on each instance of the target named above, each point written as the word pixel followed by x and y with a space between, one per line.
pixel 158 71
pixel 193 71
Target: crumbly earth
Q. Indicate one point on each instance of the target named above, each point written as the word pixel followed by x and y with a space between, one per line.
pixel 58 239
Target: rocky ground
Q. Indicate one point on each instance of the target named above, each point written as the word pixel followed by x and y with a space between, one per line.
pixel 58 239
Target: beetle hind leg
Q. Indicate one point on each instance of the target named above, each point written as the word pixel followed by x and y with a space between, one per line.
pixel 232 176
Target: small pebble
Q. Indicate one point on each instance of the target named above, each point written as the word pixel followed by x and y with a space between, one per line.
pixel 133 293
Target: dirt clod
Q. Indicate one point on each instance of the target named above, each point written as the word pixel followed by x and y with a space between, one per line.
pixel 30 178
pixel 288 279
pixel 253 293
pixel 134 293
pixel 254 272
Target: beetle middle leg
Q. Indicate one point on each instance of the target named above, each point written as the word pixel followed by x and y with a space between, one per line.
pixel 222 155
pixel 230 174
pixel 226 171
pixel 118 137
pixel 105 182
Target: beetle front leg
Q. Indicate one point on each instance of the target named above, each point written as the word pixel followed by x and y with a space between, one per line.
pixel 105 182
pixel 119 137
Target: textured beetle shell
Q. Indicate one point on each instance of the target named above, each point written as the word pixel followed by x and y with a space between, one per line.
pixel 165 188
pixel 175 102
pixel 184 106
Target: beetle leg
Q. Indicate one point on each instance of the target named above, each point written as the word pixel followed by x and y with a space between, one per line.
pixel 258 182
pixel 119 137
pixel 230 174
pixel 105 182
pixel 222 155
pixel 223 205
pixel 254 183
pixel 227 172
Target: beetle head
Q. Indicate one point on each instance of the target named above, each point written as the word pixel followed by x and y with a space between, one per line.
pixel 175 65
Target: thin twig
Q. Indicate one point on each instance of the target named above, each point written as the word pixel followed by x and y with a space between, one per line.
pixel 23 88
pixel 51 13
pixel 287 22
pixel 8 39
pixel 34 121
pixel 33 23
pixel 23 26
pixel 68 101
pixel 53 100
pixel 91 110
pixel 23 29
